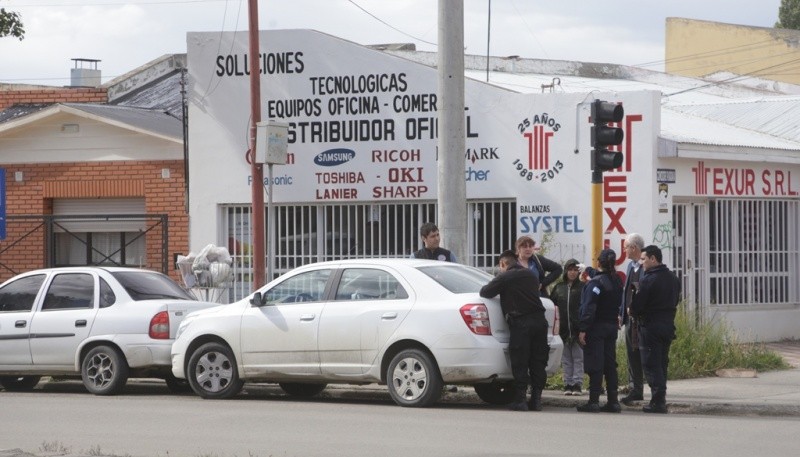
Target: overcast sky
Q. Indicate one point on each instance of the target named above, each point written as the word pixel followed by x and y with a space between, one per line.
pixel 127 34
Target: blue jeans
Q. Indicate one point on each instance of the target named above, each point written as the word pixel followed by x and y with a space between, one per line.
pixel 655 338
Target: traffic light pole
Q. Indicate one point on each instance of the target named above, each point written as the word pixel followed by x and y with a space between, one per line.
pixel 597 215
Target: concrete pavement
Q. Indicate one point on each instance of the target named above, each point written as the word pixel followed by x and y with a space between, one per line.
pixel 738 393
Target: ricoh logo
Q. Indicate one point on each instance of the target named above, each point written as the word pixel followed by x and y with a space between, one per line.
pixel 537 164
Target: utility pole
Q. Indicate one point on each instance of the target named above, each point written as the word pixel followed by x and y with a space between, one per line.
pixel 256 169
pixel 452 191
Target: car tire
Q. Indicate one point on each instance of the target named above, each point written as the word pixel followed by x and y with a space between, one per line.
pixel 496 393
pixel 19 383
pixel 297 389
pixel 177 385
pixel 413 379
pixel 212 372
pixel 104 371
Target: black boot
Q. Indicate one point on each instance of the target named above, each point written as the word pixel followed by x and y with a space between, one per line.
pixel 592 406
pixel 634 395
pixel 519 401
pixel 535 404
pixel 613 405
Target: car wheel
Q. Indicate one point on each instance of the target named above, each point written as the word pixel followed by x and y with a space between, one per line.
pixel 414 379
pixel 104 371
pixel 297 389
pixel 212 372
pixel 496 393
pixel 19 383
pixel 177 385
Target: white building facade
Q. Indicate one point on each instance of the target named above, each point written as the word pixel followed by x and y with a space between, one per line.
pixel 362 174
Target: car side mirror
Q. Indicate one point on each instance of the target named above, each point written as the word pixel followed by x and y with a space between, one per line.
pixel 257 300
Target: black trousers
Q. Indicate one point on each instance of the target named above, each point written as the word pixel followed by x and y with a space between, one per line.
pixel 528 350
pixel 600 358
pixel 655 339
pixel 635 370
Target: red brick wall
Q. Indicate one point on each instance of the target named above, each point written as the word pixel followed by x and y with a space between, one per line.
pixel 54 95
pixel 44 182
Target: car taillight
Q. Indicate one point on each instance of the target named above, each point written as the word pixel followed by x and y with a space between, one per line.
pixel 159 326
pixel 476 316
pixel 556 321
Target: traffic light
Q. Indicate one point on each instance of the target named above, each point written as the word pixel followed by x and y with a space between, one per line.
pixel 603 136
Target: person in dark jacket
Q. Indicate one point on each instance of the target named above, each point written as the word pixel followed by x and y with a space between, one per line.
pixel 430 240
pixel 518 288
pixel 546 270
pixel 654 306
pixel 598 333
pixel 566 295
pixel 634 243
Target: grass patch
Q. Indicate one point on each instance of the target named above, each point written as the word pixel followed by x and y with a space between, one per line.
pixel 699 350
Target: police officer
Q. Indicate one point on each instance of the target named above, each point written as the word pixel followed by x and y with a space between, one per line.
pixel 518 288
pixel 654 306
pixel 598 333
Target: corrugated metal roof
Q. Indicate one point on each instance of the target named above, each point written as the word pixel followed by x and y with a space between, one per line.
pixel 149 120
pixel 779 117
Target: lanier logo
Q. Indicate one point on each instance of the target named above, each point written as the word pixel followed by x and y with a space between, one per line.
pixel 334 157
pixel 538 131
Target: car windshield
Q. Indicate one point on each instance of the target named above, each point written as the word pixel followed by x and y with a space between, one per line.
pixel 142 285
pixel 458 279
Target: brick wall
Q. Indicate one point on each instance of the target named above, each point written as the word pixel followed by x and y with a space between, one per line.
pixel 53 95
pixel 24 247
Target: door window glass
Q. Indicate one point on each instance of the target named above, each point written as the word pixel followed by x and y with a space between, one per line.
pixel 20 294
pixel 369 284
pixel 70 291
pixel 305 287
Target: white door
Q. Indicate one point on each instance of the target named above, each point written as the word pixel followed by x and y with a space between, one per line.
pixel 280 338
pixel 690 256
pixel 18 299
pixel 64 319
pixel 369 306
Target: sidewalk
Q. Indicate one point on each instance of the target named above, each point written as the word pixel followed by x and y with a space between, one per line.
pixel 774 393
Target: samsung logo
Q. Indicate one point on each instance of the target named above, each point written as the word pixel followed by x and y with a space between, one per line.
pixel 333 157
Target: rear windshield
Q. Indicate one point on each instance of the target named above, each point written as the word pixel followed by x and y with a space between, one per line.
pixel 458 279
pixel 142 285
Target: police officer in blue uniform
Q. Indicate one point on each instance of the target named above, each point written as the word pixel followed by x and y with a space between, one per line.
pixel 598 333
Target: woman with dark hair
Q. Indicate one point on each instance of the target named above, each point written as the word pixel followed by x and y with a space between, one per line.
pixel 598 333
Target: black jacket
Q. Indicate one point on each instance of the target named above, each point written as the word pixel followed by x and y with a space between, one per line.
pixel 436 254
pixel 518 288
pixel 567 296
pixel 600 300
pixel 657 297
pixel 548 271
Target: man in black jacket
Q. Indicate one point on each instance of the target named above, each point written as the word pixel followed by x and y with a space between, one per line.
pixel 654 306
pixel 518 288
pixel 430 240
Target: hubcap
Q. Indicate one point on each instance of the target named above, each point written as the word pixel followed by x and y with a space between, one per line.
pixel 213 372
pixel 410 378
pixel 100 370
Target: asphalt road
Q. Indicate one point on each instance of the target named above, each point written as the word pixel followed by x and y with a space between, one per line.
pixel 62 419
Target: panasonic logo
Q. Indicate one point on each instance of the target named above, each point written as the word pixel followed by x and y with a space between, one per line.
pixel 334 157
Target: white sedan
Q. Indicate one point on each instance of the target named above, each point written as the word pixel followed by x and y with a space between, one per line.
pixel 102 323
pixel 414 325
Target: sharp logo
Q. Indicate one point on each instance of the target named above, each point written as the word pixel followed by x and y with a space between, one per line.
pixel 334 157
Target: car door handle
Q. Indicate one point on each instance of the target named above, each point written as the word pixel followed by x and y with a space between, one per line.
pixel 389 316
pixel 308 317
pixel 80 323
pixel 20 324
